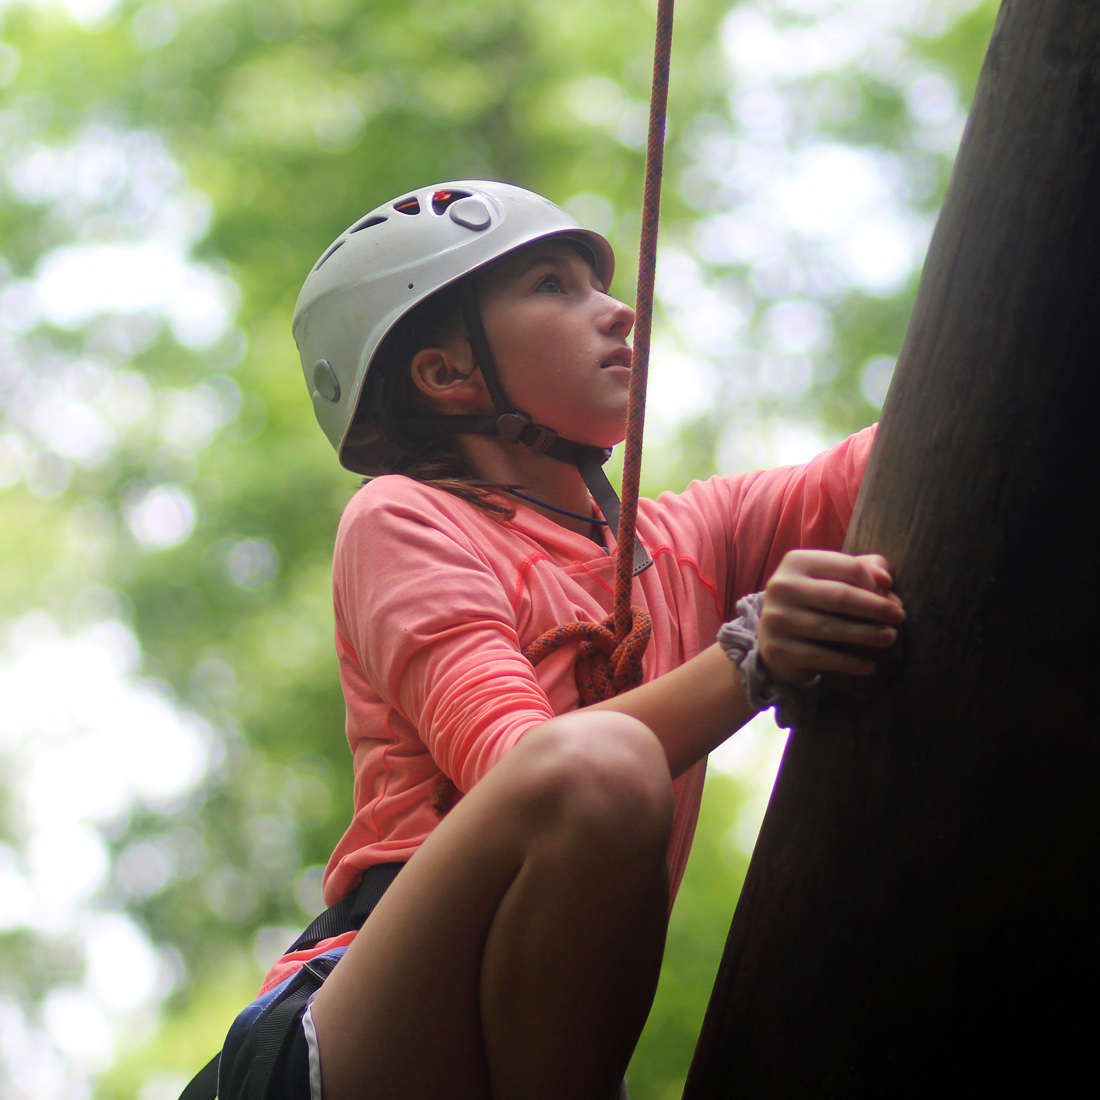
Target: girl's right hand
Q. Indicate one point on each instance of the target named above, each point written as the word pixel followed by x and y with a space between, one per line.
pixel 818 601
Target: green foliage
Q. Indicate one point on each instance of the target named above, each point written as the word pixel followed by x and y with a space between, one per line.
pixel 962 47
pixel 696 936
pixel 290 118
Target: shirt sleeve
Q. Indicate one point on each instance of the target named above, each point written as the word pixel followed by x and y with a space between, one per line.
pixel 747 522
pixel 799 506
pixel 431 625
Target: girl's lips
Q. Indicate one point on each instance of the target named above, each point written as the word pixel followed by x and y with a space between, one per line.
pixel 620 358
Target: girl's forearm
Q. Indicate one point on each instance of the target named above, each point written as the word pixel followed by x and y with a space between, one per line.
pixel 818 603
pixel 691 710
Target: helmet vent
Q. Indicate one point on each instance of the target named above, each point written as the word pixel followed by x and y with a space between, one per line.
pixel 332 248
pixel 408 206
pixel 366 223
pixel 442 199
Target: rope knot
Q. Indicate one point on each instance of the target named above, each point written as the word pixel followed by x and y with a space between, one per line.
pixel 606 665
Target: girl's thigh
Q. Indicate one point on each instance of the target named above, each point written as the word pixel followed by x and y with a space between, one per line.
pixel 556 857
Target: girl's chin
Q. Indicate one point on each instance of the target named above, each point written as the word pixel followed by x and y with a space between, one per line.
pixel 606 428
pixel 610 437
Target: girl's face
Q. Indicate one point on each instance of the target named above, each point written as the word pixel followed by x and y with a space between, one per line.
pixel 560 341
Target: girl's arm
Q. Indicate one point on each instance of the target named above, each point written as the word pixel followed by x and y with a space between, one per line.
pixel 814 601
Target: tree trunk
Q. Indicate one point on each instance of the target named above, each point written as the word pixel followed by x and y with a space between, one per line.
pixel 921 916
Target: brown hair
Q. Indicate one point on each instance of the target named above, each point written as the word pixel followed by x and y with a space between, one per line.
pixel 390 404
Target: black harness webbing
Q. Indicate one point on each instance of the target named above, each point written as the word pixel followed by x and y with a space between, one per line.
pixel 275 1026
pixel 349 913
pixel 272 1030
pixel 204 1085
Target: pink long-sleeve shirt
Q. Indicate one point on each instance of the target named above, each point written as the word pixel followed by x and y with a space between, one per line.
pixel 435 602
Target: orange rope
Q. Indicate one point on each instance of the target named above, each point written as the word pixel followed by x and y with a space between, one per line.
pixel 606 664
pixel 609 659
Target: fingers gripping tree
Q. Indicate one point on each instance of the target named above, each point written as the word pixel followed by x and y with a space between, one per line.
pixel 921 913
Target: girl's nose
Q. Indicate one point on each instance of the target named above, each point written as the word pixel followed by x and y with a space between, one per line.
pixel 619 317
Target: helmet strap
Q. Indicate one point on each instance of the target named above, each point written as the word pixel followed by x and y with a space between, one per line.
pixel 479 344
pixel 517 427
pixel 603 492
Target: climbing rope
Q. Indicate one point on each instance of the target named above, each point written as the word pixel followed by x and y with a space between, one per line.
pixel 606 664
pixel 609 658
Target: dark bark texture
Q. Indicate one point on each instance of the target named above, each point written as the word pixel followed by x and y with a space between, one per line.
pixel 922 912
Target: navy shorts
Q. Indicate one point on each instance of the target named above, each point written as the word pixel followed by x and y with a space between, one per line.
pixel 258 1035
pixel 262 1035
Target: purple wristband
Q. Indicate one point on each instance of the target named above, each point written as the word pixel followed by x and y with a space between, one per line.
pixel 739 638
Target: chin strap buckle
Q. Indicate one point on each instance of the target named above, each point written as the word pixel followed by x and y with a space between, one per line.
pixel 543 441
pixel 517 428
pixel 511 425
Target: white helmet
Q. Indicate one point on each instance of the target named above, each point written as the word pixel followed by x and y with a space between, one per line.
pixel 392 259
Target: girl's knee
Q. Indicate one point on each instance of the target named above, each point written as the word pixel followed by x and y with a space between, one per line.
pixel 601 775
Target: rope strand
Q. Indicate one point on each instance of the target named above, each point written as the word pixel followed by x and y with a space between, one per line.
pixel 609 657
pixel 643 325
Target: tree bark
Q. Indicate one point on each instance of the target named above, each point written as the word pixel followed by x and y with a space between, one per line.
pixel 921 915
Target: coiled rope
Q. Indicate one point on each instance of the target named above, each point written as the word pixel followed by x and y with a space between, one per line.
pixel 609 658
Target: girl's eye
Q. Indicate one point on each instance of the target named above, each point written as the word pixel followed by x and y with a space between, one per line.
pixel 550 283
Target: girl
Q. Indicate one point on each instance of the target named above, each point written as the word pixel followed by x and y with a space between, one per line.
pixel 461 340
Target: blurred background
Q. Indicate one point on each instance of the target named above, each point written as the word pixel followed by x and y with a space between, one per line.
pixel 173 771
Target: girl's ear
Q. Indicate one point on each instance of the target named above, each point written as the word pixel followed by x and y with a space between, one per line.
pixel 448 376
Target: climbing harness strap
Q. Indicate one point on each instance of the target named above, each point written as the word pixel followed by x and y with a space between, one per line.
pixel 352 910
pixel 270 1035
pixel 204 1085
pixel 609 660
pixel 275 1027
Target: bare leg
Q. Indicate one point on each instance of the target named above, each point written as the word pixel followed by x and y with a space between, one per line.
pixel 571 964
pixel 517 954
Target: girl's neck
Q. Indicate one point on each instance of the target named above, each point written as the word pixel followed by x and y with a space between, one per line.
pixel 496 460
